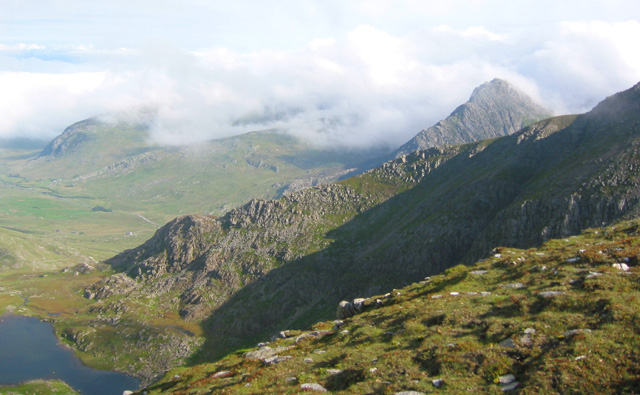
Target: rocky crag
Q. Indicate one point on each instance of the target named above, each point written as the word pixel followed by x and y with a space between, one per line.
pixel 284 263
pixel 495 109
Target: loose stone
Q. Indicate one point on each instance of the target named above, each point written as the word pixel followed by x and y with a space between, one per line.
pixel 313 387
pixel 576 331
pixel 510 387
pixel 508 343
pixel 507 379
pixel 549 294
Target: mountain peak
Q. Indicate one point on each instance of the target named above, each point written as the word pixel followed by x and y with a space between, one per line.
pixel 495 86
pixel 498 89
pixel 495 108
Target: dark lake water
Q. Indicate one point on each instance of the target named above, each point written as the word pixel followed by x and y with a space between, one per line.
pixel 29 350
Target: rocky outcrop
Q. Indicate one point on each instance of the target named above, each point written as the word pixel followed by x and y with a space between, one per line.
pixel 118 284
pixel 359 305
pixel 495 109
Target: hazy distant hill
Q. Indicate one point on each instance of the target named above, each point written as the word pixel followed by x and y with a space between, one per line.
pixel 496 108
pixel 285 263
pixel 116 160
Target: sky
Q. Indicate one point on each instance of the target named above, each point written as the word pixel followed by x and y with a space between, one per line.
pixel 337 72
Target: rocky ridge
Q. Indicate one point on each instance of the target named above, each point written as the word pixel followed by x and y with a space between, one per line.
pixel 495 108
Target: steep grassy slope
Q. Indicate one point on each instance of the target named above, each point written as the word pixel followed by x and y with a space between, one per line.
pixel 284 263
pixel 555 320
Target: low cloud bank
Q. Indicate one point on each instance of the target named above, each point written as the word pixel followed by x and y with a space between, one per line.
pixel 366 89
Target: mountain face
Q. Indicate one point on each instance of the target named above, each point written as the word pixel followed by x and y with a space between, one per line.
pixel 554 320
pixel 278 264
pixel 496 108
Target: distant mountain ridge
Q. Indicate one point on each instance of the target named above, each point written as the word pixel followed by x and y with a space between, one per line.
pixel 115 159
pixel 284 263
pixel 495 109
pixel 72 137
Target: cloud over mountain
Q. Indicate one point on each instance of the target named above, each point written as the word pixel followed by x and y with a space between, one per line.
pixel 369 84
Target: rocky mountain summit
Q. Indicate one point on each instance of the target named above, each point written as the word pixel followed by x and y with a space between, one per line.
pixel 285 263
pixel 495 108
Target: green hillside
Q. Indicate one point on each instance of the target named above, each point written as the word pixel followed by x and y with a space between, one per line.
pixel 555 320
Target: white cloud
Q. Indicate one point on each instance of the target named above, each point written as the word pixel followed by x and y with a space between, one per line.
pixel 368 86
pixel 584 62
pixel 479 32
pixel 32 102
pixel 21 47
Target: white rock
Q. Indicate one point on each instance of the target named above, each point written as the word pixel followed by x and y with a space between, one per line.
pixel 507 379
pixel 621 266
pixel 509 387
pixel 549 294
pixel 576 331
pixel 313 387
pixel 514 285
pixel 437 383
